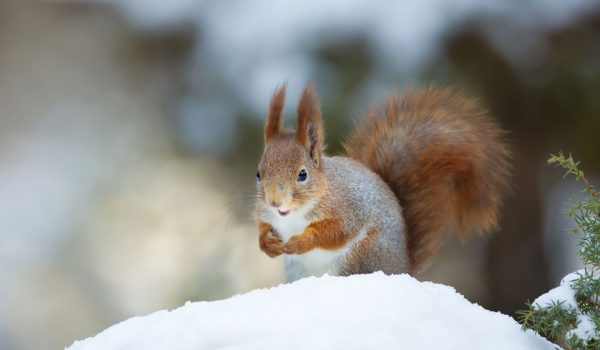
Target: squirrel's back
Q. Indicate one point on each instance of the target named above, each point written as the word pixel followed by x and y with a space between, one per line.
pixel 445 160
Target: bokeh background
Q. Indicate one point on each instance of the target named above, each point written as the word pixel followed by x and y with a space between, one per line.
pixel 130 131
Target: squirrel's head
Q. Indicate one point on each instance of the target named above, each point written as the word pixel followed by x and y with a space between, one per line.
pixel 290 174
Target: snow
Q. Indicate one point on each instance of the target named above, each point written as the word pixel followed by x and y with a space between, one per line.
pixel 358 312
pixel 564 293
pixel 585 329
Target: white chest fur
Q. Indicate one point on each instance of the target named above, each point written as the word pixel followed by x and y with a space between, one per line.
pixel 290 225
pixel 313 263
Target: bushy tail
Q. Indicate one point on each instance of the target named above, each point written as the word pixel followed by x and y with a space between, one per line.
pixel 444 158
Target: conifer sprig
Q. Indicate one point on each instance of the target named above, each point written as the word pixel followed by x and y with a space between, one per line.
pixel 574 324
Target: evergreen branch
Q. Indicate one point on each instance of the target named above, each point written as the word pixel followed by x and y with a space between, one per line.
pixel 572 168
pixel 575 325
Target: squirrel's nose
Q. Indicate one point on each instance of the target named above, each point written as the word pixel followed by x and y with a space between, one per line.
pixel 275 204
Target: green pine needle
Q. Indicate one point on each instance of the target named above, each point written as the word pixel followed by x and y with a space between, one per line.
pixel 558 320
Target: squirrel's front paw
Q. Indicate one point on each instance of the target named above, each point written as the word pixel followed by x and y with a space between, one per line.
pixel 271 244
pixel 298 244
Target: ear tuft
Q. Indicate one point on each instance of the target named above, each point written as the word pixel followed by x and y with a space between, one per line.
pixel 310 124
pixel 274 124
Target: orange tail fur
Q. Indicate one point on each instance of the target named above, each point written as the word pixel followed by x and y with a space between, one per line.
pixel 444 158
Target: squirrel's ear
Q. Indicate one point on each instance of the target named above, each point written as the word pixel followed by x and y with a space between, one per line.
pixel 310 124
pixel 274 125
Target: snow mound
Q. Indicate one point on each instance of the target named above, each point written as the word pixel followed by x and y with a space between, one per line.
pixel 358 312
pixel 565 294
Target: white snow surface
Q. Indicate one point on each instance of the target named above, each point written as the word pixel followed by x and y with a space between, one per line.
pixel 564 293
pixel 373 311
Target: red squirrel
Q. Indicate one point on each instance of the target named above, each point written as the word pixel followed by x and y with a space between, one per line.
pixel 433 162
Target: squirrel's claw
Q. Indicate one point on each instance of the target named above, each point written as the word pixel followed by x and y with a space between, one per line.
pixel 271 244
pixel 297 245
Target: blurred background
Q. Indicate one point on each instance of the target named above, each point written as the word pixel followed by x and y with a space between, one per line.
pixel 130 132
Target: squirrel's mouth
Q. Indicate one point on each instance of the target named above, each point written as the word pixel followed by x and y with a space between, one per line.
pixel 283 212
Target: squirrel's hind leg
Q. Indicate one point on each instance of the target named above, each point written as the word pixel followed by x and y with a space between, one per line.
pixel 376 252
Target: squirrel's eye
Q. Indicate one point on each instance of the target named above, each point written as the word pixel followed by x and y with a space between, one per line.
pixel 258 176
pixel 302 175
